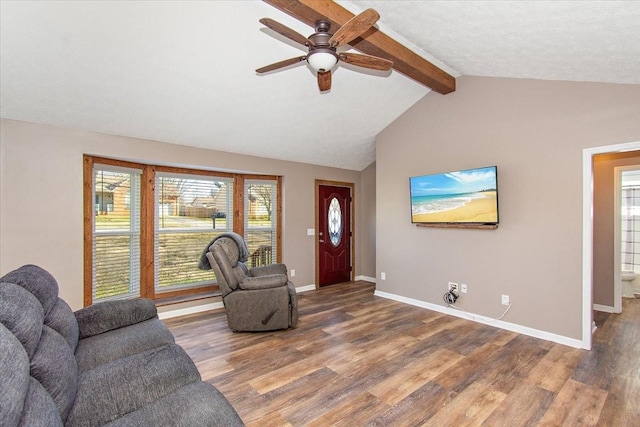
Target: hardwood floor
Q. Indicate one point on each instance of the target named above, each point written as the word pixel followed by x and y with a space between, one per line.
pixel 356 359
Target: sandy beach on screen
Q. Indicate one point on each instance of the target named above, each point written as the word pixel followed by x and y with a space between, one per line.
pixel 477 210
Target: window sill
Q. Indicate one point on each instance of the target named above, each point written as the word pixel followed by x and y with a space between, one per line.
pixel 161 302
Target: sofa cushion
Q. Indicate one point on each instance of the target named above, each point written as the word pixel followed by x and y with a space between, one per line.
pixel 37 281
pixel 54 366
pixel 115 389
pixel 14 371
pixel 39 407
pixel 227 269
pixel 110 315
pixel 109 346
pixel 62 320
pixel 264 270
pixel 22 314
pixel 230 248
pixel 264 282
pixel 195 404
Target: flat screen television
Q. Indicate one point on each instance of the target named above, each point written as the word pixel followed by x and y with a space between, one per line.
pixel 462 197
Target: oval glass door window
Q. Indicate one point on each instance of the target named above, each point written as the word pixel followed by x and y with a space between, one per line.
pixel 335 222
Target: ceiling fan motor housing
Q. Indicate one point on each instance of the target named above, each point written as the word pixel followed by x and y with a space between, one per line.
pixel 321 45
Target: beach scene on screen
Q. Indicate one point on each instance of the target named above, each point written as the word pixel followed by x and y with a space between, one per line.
pixel 463 196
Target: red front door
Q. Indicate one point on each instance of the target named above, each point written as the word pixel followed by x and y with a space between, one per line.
pixel 334 234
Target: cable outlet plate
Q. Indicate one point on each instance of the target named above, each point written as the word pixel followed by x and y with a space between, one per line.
pixel 506 300
pixel 463 288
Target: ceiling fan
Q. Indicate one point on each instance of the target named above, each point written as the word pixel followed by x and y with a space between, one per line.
pixel 322 46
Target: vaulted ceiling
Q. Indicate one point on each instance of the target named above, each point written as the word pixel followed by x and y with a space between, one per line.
pixel 184 72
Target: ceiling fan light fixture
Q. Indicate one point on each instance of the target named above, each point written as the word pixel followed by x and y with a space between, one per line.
pixel 322 60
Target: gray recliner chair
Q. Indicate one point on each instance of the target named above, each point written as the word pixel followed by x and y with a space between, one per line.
pixel 257 299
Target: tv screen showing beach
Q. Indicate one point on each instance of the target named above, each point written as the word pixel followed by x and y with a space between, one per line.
pixel 467 196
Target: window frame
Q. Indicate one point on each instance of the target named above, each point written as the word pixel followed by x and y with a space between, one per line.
pixel 148 219
pixel 276 210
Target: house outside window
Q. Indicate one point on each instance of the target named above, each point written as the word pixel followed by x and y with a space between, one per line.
pixel 116 233
pixel 191 210
pixel 261 220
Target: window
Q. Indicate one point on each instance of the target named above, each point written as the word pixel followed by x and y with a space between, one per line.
pixel 334 222
pixel 261 220
pixel 190 211
pixel 146 226
pixel 116 233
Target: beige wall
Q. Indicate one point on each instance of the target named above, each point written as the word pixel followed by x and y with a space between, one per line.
pixel 41 197
pixel 535 132
pixel 366 220
pixel 603 222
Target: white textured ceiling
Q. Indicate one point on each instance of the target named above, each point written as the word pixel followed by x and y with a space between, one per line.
pixel 552 40
pixel 183 72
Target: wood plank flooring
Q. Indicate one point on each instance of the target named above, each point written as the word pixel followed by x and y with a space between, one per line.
pixel 356 359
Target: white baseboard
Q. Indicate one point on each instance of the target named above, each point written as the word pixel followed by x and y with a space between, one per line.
pixel 603 308
pixel 213 306
pixel 536 333
pixel 306 288
pixel 190 310
pixel 366 279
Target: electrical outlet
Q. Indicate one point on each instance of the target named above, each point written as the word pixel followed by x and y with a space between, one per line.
pixel 453 286
pixel 383 276
pixel 463 288
pixel 506 300
pixel 293 273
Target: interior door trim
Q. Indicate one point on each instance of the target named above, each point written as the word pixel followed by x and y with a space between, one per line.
pixel 352 206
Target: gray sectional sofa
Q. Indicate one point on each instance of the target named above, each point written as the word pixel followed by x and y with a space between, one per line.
pixel 113 363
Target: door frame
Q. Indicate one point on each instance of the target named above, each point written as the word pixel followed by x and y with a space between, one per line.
pixel 587 233
pixel 352 207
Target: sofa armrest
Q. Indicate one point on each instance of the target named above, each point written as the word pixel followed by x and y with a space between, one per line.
pixel 264 282
pixel 110 315
pixel 265 270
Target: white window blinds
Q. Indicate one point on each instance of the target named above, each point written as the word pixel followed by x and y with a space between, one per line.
pixel 116 233
pixel 261 221
pixel 190 210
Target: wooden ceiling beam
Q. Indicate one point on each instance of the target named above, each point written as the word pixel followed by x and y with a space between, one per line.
pixel 373 42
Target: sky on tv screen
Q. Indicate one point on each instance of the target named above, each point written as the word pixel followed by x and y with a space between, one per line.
pixel 467 181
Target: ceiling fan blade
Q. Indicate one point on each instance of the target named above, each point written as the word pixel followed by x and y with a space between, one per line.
pixel 281 64
pixel 324 80
pixel 366 61
pixel 286 31
pixel 354 27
